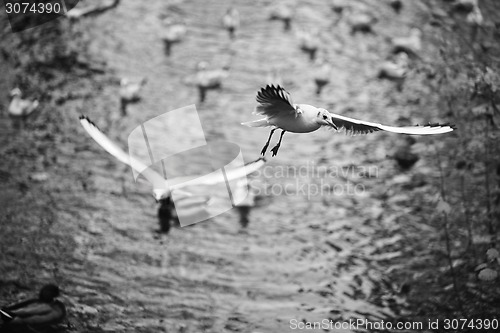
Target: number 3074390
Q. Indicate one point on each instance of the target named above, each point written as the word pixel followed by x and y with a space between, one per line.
pixel 36 8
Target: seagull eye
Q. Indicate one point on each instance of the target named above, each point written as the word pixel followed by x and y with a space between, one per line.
pixel 325 117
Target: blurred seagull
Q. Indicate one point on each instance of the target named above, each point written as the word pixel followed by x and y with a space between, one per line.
pixel 275 103
pixel 411 44
pixel 209 79
pixel 284 13
pixel 162 188
pixel 245 195
pixel 322 75
pixel 338 6
pixel 475 19
pixel 309 42
pixel 231 21
pixel 397 5
pixel 173 33
pixel 362 22
pixel 20 109
pixel 130 92
pixel 395 70
pixel 94 8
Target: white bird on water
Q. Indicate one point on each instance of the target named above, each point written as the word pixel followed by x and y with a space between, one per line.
pixel 173 33
pixel 276 104
pixel 19 108
pixel 130 92
pixel 231 21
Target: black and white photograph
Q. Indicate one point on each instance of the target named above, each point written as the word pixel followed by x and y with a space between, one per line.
pixel 259 166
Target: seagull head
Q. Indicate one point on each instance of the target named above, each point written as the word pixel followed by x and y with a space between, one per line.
pixel 324 118
pixel 15 92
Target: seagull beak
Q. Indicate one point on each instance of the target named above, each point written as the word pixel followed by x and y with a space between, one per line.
pixel 331 123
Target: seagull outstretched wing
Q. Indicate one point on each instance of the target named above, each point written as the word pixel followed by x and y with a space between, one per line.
pixel 161 186
pixel 356 126
pixel 274 101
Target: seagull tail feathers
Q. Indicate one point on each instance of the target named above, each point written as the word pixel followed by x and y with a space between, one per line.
pixel 257 123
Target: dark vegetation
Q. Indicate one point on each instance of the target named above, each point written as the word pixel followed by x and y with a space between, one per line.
pixel 451 267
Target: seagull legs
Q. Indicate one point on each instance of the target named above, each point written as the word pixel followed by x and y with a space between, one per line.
pixel 168 47
pixel 202 93
pixel 263 151
pixel 275 149
pixel 123 106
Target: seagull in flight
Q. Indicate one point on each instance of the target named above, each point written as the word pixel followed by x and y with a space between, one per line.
pixel 162 188
pixel 276 104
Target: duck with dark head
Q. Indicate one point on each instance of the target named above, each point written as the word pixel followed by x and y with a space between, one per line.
pixel 34 314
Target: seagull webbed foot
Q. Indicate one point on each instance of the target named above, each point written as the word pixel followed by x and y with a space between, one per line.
pixel 275 150
pixel 264 149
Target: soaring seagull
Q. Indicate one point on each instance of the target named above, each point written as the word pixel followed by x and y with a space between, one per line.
pixel 162 188
pixel 276 104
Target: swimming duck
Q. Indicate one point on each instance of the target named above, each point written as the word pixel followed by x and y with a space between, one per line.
pixel 284 13
pixel 207 79
pixel 173 33
pixel 410 45
pixel 231 21
pixel 34 313
pixel 309 42
pixel 130 92
pixel 20 109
